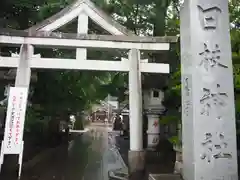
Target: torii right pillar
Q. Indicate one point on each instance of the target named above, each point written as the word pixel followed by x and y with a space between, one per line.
pixel 208 114
pixel 136 155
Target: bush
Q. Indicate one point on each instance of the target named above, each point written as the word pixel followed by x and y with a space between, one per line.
pixel 35 127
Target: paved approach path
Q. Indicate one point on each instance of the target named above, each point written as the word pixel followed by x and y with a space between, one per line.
pixel 89 157
pixel 107 159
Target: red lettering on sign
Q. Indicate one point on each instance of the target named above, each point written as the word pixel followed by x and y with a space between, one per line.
pixel 155 124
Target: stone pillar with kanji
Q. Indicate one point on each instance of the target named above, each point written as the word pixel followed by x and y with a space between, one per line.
pixel 208 111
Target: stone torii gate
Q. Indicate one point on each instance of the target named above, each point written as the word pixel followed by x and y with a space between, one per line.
pixel 43 35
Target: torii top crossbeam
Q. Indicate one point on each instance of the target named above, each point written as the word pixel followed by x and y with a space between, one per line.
pixel 42 38
pixel 42 35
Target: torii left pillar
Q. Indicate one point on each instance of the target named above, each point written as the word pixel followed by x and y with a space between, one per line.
pixel 22 80
pixel 23 77
pixel 136 155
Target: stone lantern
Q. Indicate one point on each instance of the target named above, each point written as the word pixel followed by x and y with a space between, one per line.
pixel 152 103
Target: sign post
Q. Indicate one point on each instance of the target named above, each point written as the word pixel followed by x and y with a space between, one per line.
pixel 14 127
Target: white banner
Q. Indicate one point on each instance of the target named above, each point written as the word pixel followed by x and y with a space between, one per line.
pixel 14 126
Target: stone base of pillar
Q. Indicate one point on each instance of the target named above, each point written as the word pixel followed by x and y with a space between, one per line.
pixel 136 165
pixel 178 163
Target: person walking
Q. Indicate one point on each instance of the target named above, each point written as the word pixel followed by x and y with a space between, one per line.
pixel 105 121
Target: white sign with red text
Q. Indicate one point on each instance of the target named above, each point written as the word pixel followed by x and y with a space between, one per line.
pixel 14 126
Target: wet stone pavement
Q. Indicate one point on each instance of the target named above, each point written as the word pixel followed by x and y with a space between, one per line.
pixel 88 157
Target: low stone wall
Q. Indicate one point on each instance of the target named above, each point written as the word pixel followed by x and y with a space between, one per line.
pixel 164 177
pixel 120 174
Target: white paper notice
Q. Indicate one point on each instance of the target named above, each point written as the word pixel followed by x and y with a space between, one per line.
pixel 14 126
